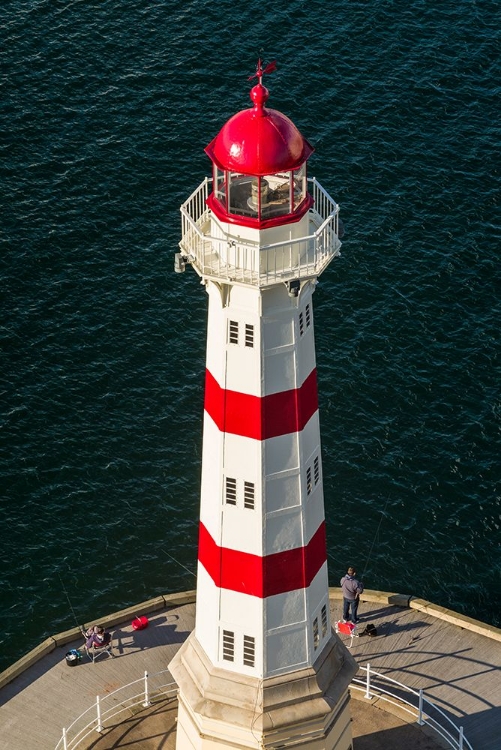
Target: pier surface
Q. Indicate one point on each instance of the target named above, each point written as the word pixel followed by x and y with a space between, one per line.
pixel 458 669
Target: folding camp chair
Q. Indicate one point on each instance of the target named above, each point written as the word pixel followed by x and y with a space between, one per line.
pixel 97 649
pixel 346 628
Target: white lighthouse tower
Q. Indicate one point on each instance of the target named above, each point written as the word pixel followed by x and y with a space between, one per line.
pixel 262 667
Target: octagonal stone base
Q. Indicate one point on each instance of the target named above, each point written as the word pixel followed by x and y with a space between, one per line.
pixel 308 708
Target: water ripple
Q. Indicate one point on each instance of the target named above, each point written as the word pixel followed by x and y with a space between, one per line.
pixel 102 345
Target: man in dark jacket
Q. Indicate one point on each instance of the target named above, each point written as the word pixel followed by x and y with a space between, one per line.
pixel 351 588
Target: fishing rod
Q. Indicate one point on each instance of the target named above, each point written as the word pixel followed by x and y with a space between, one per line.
pixel 181 564
pixel 375 537
pixel 79 626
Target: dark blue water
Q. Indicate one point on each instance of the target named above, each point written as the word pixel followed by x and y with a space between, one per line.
pixel 106 108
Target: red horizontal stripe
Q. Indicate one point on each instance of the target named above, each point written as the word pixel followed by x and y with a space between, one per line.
pixel 262 576
pixel 265 417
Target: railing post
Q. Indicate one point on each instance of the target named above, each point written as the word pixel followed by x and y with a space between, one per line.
pixel 99 727
pixel 461 738
pixel 65 744
pixel 368 683
pixel 146 695
pixel 420 720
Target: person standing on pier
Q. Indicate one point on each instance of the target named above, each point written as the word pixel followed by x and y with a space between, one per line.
pixel 351 588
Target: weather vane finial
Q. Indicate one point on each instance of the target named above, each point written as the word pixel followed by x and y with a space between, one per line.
pixel 260 71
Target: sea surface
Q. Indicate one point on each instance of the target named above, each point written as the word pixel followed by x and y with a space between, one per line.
pixel 106 108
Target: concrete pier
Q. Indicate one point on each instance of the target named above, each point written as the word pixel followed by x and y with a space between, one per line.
pixel 456 660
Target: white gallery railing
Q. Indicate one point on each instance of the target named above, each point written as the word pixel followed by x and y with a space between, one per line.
pixel 412 702
pixel 106 708
pixel 226 255
pixel 138 694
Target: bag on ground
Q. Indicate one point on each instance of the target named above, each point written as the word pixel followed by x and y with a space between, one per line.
pixel 370 629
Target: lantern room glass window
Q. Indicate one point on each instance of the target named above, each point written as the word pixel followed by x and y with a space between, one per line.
pixel 300 186
pixel 263 197
pixel 220 185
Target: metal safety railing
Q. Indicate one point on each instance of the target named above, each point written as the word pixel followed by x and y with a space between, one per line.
pixel 412 702
pixel 102 714
pixel 142 692
pixel 218 252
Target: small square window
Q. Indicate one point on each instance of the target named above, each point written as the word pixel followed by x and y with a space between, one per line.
pixel 228 645
pixel 308 481
pixel 316 470
pixel 249 335
pixel 233 332
pixel 308 316
pixel 301 323
pixel 231 491
pixel 249 495
pixel 324 620
pixel 249 651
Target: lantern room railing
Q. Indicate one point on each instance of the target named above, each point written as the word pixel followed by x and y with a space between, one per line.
pixel 218 252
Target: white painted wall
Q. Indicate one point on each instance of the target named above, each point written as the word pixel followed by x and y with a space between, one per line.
pixel 212 478
pixel 242 529
pixel 281 453
pixel 207 614
pixel 281 625
pixel 283 490
pixel 285 517
pixel 280 370
pixel 309 438
pixel 286 649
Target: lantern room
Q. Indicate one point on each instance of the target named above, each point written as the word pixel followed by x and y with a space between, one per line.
pixel 261 219
pixel 259 167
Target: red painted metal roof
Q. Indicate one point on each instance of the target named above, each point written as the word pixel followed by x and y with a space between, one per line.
pixel 259 141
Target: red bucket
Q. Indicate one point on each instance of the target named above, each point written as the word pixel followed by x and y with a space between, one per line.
pixel 140 623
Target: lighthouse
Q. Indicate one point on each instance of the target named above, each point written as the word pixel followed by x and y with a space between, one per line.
pixel 262 667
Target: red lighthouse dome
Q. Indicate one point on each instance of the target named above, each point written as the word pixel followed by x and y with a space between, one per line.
pixel 259 141
pixel 259 166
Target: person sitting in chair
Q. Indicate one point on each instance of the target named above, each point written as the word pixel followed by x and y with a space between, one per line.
pixel 96 637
